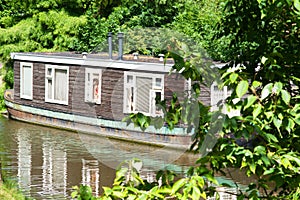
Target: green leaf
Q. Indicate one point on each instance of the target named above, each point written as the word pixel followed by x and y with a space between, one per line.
pixel 107 191
pixel 286 97
pixel 233 77
pixel 297 4
pixel 256 84
pixel 260 149
pixel 180 183
pixel 277 87
pixel 252 167
pixel 196 193
pixel 242 88
pixel 285 162
pixel 277 122
pixel 266 91
pixel 211 178
pixel 271 137
pixel 250 100
pixel 241 197
pixel 290 126
pixel 269 171
pixel 256 111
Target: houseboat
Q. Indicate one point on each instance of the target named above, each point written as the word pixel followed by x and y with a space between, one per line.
pixel 92 93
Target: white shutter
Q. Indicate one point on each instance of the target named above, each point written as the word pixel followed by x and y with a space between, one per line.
pixel 143 87
pixel 27 86
pixel 26 80
pixel 152 102
pixel 217 96
pixel 88 87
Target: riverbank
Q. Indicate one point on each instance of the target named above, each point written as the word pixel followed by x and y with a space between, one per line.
pixel 10 193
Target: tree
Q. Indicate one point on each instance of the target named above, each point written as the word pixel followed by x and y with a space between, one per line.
pixel 198 19
pixel 263 141
pixel 122 16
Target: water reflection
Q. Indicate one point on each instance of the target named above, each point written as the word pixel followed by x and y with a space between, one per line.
pixel 48 162
pixel 54 169
pixel 24 160
pixel 90 175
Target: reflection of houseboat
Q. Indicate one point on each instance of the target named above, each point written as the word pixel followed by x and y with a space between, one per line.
pixel 90 94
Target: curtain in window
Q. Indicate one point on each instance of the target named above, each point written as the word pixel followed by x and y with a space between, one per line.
pixel 60 90
pixel 143 87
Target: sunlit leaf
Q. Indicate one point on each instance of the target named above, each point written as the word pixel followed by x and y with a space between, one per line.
pixel 257 111
pixel 267 90
pixel 242 88
pixel 286 97
pixel 179 184
pixel 277 122
pixel 233 77
pixel 250 100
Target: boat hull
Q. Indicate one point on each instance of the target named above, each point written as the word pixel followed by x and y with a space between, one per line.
pixel 177 138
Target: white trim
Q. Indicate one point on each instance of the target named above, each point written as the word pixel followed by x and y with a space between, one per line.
pixel 22 64
pixel 154 88
pixel 93 62
pixel 52 77
pixel 92 71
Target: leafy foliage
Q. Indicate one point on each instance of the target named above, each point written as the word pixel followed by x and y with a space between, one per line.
pixel 261 40
pixel 264 78
pixel 198 21
pixel 52 31
pixel 129 185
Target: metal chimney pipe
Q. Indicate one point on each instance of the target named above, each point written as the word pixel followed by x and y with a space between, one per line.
pixel 120 39
pixel 109 38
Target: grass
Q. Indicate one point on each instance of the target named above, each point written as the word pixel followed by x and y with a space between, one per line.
pixel 10 193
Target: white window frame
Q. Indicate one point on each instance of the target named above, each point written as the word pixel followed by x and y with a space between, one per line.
pixel 88 94
pixel 52 77
pixel 22 95
pixel 226 92
pixel 155 88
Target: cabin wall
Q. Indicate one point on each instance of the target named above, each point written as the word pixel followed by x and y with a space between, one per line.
pixel 112 92
pixel 205 95
pixel 174 83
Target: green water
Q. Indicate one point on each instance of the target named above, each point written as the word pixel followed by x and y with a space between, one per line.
pixel 47 162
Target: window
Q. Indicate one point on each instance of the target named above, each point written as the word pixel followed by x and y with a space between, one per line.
pixel 141 91
pixel 218 97
pixel 57 84
pixel 93 85
pixel 26 83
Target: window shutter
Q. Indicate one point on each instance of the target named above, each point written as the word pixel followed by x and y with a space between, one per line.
pixel 217 96
pixel 143 87
pixel 27 81
pixel 88 87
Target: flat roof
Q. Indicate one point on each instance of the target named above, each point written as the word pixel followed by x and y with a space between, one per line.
pixel 144 63
pixel 92 60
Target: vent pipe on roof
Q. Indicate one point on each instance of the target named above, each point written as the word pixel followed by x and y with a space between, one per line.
pixel 109 38
pixel 120 39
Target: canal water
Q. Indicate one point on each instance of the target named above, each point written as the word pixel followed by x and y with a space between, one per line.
pixel 46 162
